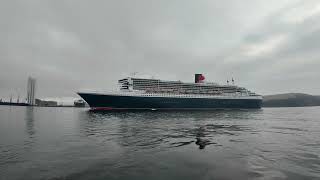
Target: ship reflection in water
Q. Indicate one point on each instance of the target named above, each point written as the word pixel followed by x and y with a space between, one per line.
pixel 73 143
pixel 198 134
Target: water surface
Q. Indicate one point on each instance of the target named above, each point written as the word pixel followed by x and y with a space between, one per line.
pixel 71 143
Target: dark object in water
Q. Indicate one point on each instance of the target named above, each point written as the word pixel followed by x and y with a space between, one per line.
pixel 202 142
pixel 182 143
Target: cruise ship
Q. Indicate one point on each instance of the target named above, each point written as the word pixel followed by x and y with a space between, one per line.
pixel 155 94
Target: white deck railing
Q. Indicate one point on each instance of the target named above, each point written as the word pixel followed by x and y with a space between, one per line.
pixel 144 94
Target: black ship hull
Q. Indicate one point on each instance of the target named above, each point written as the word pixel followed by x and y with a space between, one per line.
pixel 120 102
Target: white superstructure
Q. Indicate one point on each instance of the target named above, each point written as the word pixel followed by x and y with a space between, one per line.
pixel 157 87
pixel 155 94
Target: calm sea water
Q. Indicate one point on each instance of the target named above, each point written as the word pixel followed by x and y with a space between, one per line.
pixel 71 143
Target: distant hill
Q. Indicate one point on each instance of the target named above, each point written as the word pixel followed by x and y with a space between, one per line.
pixel 291 100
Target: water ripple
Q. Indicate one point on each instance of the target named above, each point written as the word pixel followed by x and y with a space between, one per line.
pixel 66 143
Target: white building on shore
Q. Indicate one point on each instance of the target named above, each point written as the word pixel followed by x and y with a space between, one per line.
pixel 31 90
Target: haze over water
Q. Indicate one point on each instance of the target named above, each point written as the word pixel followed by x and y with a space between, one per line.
pixel 71 143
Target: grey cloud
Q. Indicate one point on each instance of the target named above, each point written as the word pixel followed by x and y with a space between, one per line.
pixel 70 45
pixel 288 64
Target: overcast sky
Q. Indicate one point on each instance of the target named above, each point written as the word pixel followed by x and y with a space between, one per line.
pixel 267 46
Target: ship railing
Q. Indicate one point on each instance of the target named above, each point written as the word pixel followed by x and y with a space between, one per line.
pixel 146 94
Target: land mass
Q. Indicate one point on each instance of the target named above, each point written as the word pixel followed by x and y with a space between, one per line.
pixel 291 100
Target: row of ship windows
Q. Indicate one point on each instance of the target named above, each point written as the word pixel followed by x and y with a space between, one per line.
pixel 172 95
pixel 171 84
pixel 202 89
pixel 175 88
pixel 174 84
pixel 182 89
pixel 171 87
pixel 161 82
pixel 193 87
pixel 196 90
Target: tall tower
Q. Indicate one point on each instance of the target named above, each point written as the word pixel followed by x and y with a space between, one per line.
pixel 31 89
